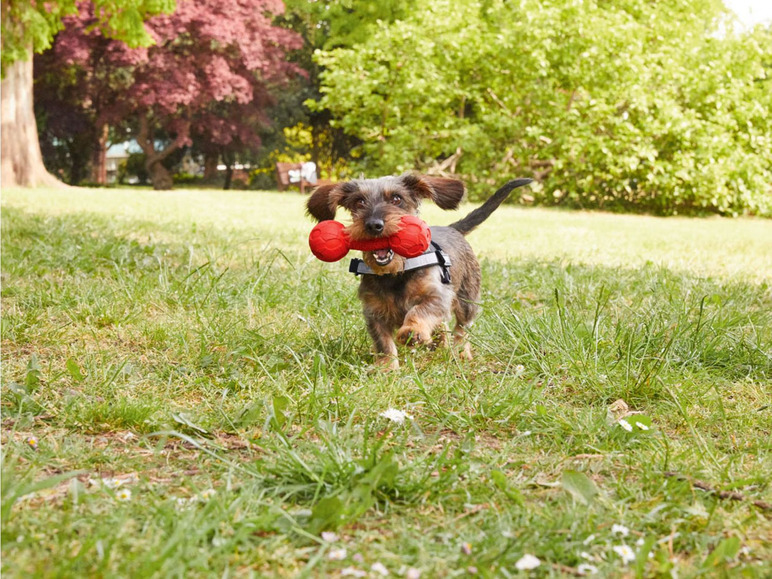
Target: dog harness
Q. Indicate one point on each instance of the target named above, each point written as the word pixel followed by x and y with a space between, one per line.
pixel 432 256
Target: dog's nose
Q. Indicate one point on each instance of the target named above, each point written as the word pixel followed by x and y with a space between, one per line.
pixel 374 226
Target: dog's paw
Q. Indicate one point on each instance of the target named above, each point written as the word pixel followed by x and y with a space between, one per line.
pixel 413 336
pixel 466 352
pixel 386 362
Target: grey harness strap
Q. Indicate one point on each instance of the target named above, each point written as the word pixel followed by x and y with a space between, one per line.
pixel 433 256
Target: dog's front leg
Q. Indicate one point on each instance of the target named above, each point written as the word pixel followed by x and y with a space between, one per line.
pixel 385 348
pixel 422 319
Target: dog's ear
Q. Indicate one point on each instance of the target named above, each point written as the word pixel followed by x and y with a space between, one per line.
pixel 446 193
pixel 323 203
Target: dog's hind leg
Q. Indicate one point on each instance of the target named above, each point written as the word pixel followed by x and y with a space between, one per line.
pixel 465 311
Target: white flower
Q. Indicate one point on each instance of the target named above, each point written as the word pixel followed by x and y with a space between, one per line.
pixel 526 433
pixel 585 555
pixel 641 425
pixel 413 573
pixel 527 562
pixel 337 554
pixel 329 536
pixel 123 495
pixel 626 425
pixel 586 569
pixel 396 416
pixel 352 572
pixel 207 494
pixel 466 548
pixel 588 540
pixel 379 568
pixel 112 483
pixel 620 530
pixel 519 369
pixel 639 542
pixel 625 552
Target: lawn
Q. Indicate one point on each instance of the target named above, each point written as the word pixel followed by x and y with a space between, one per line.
pixel 188 392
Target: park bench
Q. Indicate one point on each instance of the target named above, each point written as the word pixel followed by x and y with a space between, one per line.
pixel 288 174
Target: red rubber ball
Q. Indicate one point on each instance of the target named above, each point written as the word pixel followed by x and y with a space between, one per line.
pixel 413 238
pixel 328 241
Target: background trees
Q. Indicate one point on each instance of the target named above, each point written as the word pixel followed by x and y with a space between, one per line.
pixel 624 105
pixel 206 76
pixel 27 27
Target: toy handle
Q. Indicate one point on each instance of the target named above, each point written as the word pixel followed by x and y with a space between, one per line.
pixel 330 242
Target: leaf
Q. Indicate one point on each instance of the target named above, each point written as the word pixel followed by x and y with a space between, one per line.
pixel 328 513
pixel 579 485
pixel 32 379
pixel 500 480
pixel 74 370
pixel 640 422
pixel 182 418
pixel 726 550
pixel 278 405
pixel 643 555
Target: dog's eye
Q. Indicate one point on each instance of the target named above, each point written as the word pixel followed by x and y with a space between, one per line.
pixel 360 203
pixel 395 200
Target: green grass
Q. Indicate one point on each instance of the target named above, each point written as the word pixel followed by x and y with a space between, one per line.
pixel 188 341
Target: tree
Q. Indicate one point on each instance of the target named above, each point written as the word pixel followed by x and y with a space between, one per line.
pixel 618 105
pixel 29 26
pixel 207 78
pixel 325 26
pixel 209 75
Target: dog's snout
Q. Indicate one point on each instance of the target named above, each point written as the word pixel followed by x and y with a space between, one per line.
pixel 374 226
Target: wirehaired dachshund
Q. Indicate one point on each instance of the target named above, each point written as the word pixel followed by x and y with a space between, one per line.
pixel 416 303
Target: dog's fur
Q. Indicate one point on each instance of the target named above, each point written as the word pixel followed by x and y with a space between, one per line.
pixel 415 303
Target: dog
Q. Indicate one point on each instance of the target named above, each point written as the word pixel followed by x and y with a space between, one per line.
pixel 416 303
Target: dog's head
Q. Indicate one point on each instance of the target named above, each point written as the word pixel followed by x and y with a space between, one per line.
pixel 376 206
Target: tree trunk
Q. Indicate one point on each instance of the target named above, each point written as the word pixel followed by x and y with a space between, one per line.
pixel 21 163
pixel 229 160
pixel 210 167
pixel 99 161
pixel 159 175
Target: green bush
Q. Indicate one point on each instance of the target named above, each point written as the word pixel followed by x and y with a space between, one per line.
pixel 624 105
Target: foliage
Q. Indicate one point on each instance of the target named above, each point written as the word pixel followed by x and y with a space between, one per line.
pixel 618 105
pixel 34 23
pixel 136 166
pixel 186 342
pixel 322 25
pixel 207 77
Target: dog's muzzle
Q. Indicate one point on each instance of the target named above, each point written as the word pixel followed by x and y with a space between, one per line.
pixel 383 256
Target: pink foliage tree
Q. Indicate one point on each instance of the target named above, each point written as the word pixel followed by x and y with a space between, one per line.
pixel 209 75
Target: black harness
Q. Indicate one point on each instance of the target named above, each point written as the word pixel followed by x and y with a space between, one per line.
pixel 432 256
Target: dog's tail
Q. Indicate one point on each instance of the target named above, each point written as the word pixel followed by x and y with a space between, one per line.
pixel 482 213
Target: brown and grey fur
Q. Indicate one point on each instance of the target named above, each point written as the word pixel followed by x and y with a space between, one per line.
pixel 415 303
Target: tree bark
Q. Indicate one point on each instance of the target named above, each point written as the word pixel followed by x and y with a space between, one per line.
pixel 210 167
pixel 159 175
pixel 229 159
pixel 99 161
pixel 21 163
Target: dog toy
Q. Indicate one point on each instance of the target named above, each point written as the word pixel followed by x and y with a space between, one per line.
pixel 329 240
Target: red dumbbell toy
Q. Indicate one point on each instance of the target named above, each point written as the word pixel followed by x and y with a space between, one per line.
pixel 329 240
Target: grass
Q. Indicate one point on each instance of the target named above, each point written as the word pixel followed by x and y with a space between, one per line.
pixel 173 343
